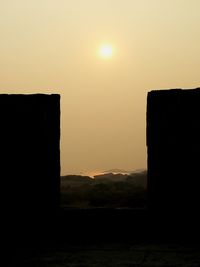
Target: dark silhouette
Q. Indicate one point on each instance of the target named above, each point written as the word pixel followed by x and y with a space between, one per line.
pixel 30 179
pixel 173 142
pixel 29 163
pixel 105 191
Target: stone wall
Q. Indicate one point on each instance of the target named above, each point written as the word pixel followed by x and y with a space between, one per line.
pixel 29 160
pixel 173 146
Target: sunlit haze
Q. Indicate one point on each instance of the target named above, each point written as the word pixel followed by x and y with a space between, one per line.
pixel 102 56
pixel 106 51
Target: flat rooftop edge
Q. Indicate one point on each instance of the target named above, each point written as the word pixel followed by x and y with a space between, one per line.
pixel 175 90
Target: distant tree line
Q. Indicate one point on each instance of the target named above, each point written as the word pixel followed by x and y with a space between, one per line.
pixel 108 191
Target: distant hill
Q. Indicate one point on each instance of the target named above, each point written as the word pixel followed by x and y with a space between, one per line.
pixel 111 177
pixel 118 171
pixel 138 178
pixel 75 180
pixel 104 190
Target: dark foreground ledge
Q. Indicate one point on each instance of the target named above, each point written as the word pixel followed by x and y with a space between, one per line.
pixel 109 237
pixel 122 225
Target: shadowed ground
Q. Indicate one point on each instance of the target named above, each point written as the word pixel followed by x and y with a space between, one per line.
pixel 126 238
pixel 113 255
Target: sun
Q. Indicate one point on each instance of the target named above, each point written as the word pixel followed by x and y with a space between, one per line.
pixel 106 51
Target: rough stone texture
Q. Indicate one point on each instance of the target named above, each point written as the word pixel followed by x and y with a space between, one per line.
pixel 173 144
pixel 29 161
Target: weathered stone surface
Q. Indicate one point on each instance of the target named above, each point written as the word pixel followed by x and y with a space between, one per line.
pixel 173 145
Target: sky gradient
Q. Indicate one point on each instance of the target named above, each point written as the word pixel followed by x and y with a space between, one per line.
pixel 51 46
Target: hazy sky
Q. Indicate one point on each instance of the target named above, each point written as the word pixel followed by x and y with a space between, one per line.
pixel 51 46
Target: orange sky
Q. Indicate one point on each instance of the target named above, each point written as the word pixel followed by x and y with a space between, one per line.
pixel 51 46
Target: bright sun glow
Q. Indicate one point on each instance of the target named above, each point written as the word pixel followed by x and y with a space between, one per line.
pixel 106 51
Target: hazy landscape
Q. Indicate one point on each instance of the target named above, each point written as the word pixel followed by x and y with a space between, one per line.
pixel 114 100
pixel 106 190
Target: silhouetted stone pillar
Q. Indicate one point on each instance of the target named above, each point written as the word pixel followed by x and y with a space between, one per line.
pixel 29 160
pixel 173 144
